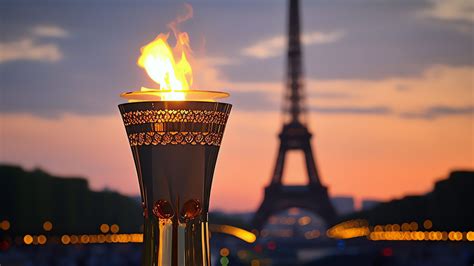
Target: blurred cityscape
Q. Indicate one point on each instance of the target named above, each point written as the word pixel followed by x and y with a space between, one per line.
pixel 60 221
pixel 56 220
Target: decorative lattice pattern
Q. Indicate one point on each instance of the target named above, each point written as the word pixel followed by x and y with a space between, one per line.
pixel 176 116
pixel 174 138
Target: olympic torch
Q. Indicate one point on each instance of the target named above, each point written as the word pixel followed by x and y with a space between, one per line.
pixel 175 133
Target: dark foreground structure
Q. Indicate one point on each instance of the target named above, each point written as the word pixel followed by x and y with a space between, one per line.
pixel 450 206
pixel 30 198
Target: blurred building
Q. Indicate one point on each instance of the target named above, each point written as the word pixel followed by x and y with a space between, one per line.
pixel 343 205
pixel 368 204
pixel 448 206
pixel 29 199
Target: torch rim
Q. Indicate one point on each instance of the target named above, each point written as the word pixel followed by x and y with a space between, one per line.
pixel 158 95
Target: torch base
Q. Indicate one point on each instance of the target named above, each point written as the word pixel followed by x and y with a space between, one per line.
pixel 172 243
pixel 175 147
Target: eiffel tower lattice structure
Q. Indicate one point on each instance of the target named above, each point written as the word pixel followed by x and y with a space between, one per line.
pixel 295 136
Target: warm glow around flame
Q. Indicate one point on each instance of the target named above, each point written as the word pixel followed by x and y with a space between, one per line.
pixel 158 59
pixel 170 68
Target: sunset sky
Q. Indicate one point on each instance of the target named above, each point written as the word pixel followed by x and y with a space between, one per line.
pixel 389 84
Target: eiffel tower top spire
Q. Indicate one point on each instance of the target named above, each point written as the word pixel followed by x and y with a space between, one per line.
pixel 294 93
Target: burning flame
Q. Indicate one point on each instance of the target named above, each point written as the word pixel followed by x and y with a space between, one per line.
pixel 172 73
pixel 158 60
pixel 170 69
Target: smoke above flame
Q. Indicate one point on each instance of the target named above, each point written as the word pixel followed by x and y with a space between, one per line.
pixel 169 67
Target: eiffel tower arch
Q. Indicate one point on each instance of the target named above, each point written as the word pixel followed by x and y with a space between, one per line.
pixel 294 136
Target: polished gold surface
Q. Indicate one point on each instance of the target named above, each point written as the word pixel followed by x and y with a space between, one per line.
pixel 174 137
pixel 175 155
pixel 169 123
pixel 175 115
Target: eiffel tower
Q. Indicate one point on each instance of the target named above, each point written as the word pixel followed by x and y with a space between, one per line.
pixel 294 136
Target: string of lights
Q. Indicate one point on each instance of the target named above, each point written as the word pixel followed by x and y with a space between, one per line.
pixel 395 232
